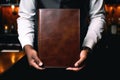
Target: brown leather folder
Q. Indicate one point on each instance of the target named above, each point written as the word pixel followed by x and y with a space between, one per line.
pixel 59 37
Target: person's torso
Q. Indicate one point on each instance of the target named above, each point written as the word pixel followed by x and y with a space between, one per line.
pixel 83 5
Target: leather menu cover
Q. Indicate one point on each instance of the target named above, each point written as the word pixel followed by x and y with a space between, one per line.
pixel 59 37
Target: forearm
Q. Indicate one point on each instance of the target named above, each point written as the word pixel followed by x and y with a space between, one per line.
pixel 94 33
pixel 97 23
pixel 26 22
pixel 25 32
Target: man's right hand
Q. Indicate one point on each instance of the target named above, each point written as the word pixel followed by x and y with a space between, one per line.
pixel 33 58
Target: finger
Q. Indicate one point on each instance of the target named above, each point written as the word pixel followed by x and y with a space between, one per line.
pixel 35 65
pixel 75 68
pixel 40 64
pixel 38 61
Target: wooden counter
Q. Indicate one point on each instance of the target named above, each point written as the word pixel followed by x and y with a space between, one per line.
pixel 8 59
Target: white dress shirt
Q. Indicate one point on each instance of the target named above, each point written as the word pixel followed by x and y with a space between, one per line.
pixel 26 22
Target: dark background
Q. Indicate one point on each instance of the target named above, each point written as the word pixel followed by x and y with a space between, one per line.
pixel 104 61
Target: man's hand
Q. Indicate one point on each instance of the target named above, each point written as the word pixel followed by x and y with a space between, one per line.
pixel 80 64
pixel 32 57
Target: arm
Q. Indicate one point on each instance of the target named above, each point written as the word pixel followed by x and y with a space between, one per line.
pixel 26 25
pixel 26 22
pixel 97 23
pixel 96 27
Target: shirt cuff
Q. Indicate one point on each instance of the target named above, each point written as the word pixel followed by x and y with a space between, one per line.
pixel 25 42
pixel 90 44
pixel 87 48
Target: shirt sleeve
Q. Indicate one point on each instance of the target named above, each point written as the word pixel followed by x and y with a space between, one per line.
pixel 25 21
pixel 97 23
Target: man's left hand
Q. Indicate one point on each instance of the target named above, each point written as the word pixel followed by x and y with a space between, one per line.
pixel 80 64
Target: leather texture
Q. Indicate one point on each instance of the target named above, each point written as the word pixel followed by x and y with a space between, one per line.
pixel 59 37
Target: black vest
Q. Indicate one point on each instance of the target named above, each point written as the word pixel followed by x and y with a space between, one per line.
pixel 83 5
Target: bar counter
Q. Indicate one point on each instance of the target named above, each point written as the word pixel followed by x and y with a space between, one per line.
pixel 8 59
pixel 102 61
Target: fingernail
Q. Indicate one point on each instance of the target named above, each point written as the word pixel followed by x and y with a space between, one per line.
pixel 40 64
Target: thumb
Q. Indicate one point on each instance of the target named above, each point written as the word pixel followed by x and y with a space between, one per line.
pixel 79 62
pixel 38 61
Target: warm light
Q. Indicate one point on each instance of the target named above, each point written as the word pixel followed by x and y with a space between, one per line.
pixel 111 8
pixel 6 27
pixel 12 7
pixel 106 8
pixel 1 69
pixel 118 7
pixel 13 58
pixel 8 59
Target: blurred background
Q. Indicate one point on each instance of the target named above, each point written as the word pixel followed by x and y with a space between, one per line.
pixel 107 50
pixel 8 24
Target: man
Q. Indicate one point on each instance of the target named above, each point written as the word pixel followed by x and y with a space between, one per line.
pixel 90 34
